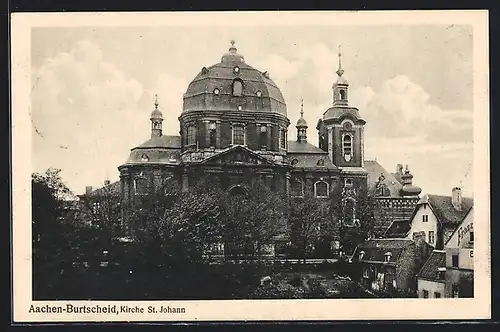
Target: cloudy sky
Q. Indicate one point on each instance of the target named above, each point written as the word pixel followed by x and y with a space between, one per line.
pixel 93 88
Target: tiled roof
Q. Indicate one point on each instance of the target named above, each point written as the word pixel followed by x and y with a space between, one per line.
pixel 165 141
pixel 303 147
pixel 110 189
pixel 398 229
pixel 429 271
pixel 338 112
pixel 444 210
pixel 375 249
pixel 374 170
pixel 316 161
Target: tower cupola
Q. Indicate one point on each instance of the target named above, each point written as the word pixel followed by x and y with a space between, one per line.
pixel 341 86
pixel 301 125
pixel 156 120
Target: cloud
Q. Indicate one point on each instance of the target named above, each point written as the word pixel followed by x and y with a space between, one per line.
pixel 87 114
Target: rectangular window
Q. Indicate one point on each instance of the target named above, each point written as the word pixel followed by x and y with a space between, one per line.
pixel 431 237
pixel 437 295
pixel 426 294
pixel 191 135
pixel 365 273
pixel 454 260
pixel 140 186
pixel 471 237
pixel 454 291
pixel 238 135
pixel 425 218
pixel 283 138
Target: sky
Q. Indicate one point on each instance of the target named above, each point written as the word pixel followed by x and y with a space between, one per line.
pixel 93 90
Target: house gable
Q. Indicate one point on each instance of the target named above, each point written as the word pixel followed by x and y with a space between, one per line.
pixel 420 223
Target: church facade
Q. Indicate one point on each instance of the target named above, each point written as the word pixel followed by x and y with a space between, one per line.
pixel 234 128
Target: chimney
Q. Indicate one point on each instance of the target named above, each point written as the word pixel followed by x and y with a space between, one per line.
pixel 399 169
pixel 88 190
pixel 456 198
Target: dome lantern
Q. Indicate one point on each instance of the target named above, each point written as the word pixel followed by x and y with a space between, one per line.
pixel 156 119
pixel 232 55
pixel 341 86
pixel 301 125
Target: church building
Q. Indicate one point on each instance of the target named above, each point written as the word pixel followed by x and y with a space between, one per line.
pixel 234 128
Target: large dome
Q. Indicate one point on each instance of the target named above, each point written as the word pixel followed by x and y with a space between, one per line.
pixel 233 85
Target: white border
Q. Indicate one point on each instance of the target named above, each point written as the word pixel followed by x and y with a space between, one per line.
pixel 393 309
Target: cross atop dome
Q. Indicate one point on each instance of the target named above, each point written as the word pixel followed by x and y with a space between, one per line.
pixel 301 107
pixel 232 48
pixel 340 71
pixel 156 101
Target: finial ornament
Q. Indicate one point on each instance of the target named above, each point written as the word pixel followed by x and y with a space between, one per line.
pixel 232 48
pixel 302 107
pixel 156 101
pixel 340 71
pixel 232 42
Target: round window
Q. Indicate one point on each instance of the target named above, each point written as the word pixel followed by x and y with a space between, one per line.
pixel 258 93
pixel 216 91
pixel 236 69
pixel 295 162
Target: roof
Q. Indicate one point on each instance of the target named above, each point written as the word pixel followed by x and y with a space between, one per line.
pixel 375 170
pixel 301 122
pixel 164 141
pixel 398 229
pixel 304 147
pixel 317 161
pixel 375 250
pixel 444 210
pixel 110 189
pixel 339 112
pixel 429 271
pixel 221 76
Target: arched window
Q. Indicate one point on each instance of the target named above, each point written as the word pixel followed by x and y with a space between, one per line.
pixel 347 146
pixel 321 189
pixel 342 94
pixel 140 185
pixel 191 135
pixel 237 88
pixel 263 137
pixel 297 189
pixel 156 125
pixel 212 134
pixel 238 191
pixel 348 182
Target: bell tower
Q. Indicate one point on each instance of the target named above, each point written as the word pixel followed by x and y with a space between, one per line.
pixel 301 125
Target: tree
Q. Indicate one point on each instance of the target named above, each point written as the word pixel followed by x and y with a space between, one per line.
pixel 355 211
pixel 252 219
pixel 102 207
pixel 311 221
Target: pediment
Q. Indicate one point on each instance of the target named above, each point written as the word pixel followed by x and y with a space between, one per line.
pixel 238 156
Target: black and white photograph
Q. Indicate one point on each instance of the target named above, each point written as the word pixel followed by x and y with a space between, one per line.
pixel 250 166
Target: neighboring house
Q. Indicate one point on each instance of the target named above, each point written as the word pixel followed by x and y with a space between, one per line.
pixel 398 229
pixel 431 278
pixel 460 259
pixel 389 266
pixel 395 195
pixel 437 217
pixel 102 204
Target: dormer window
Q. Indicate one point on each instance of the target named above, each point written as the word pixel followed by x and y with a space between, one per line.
pixel 144 157
pixel 320 162
pixel 294 162
pixel 361 254
pixel 388 256
pixel 237 87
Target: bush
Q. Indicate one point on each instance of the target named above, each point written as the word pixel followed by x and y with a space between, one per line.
pixel 276 291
